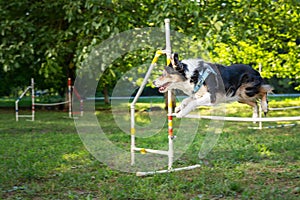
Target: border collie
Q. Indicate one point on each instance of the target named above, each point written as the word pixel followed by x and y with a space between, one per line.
pixel 208 84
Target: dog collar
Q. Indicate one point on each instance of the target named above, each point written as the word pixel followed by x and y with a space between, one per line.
pixel 203 76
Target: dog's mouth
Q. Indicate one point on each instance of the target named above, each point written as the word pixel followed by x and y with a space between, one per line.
pixel 163 88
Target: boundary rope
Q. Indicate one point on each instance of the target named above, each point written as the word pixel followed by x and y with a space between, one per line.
pixel 285 108
pixel 51 104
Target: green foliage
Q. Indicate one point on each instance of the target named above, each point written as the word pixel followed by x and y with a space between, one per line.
pixel 262 33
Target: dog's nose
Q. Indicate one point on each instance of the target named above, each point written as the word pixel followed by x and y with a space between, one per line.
pixel 153 83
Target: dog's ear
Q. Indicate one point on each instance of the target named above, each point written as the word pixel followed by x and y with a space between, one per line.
pixel 177 65
pixel 176 59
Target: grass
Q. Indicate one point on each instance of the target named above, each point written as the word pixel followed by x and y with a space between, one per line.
pixel 46 159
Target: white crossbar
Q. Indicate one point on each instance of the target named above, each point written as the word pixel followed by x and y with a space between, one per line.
pixel 245 119
pixel 285 108
pixel 276 126
pixel 151 151
pixel 25 116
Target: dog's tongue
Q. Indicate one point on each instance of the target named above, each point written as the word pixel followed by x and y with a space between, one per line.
pixel 162 88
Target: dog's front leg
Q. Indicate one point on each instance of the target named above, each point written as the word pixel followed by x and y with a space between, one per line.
pixel 203 101
pixel 254 109
pixel 183 104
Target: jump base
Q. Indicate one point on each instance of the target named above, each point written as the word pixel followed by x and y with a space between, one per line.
pixel 167 171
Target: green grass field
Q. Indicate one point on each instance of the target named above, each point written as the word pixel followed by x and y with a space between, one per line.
pixel 46 159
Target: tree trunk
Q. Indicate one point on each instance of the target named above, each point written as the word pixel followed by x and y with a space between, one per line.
pixel 106 97
pixel 173 100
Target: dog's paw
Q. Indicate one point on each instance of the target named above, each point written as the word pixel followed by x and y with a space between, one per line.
pixel 179 115
pixel 177 109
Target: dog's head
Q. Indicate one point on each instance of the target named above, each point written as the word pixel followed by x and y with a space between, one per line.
pixel 172 75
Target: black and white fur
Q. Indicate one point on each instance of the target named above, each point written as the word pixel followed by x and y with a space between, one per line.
pixel 237 82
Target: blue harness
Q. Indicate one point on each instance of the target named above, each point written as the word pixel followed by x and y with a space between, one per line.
pixel 202 77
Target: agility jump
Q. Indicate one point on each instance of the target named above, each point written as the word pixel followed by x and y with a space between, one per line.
pixel 170 151
pixel 32 100
pixel 34 104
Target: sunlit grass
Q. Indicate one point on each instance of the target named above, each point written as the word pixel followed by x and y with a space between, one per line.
pixel 46 159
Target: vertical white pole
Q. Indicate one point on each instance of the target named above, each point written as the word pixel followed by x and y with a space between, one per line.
pixel 81 107
pixel 32 99
pixel 170 106
pixel 260 115
pixel 132 132
pixel 17 110
pixel 69 97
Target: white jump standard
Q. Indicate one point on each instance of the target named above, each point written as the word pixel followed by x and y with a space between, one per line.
pixel 170 151
pixel 33 103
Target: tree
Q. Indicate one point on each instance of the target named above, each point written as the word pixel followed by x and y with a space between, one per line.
pixel 50 40
pixel 261 33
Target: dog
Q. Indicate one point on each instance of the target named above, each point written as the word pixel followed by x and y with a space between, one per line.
pixel 209 84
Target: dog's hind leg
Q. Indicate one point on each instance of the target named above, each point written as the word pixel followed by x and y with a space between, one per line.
pixel 264 104
pixel 203 101
pixel 264 89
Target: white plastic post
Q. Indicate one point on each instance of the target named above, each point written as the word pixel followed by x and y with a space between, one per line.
pixel 170 106
pixel 81 107
pixel 17 104
pixel 132 132
pixel 17 111
pixel 132 110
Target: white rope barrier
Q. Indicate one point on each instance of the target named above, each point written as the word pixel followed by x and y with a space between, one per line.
pixel 51 104
pixel 284 108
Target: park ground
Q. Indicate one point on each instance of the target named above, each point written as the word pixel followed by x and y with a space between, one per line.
pixel 46 159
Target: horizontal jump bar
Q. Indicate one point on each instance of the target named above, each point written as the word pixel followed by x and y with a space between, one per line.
pixel 167 171
pixel 244 119
pixel 276 126
pixel 285 108
pixel 151 151
pixel 24 115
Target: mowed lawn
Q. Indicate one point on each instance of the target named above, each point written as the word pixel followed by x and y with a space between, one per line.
pixel 46 159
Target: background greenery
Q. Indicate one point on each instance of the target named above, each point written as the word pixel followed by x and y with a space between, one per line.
pixel 49 40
